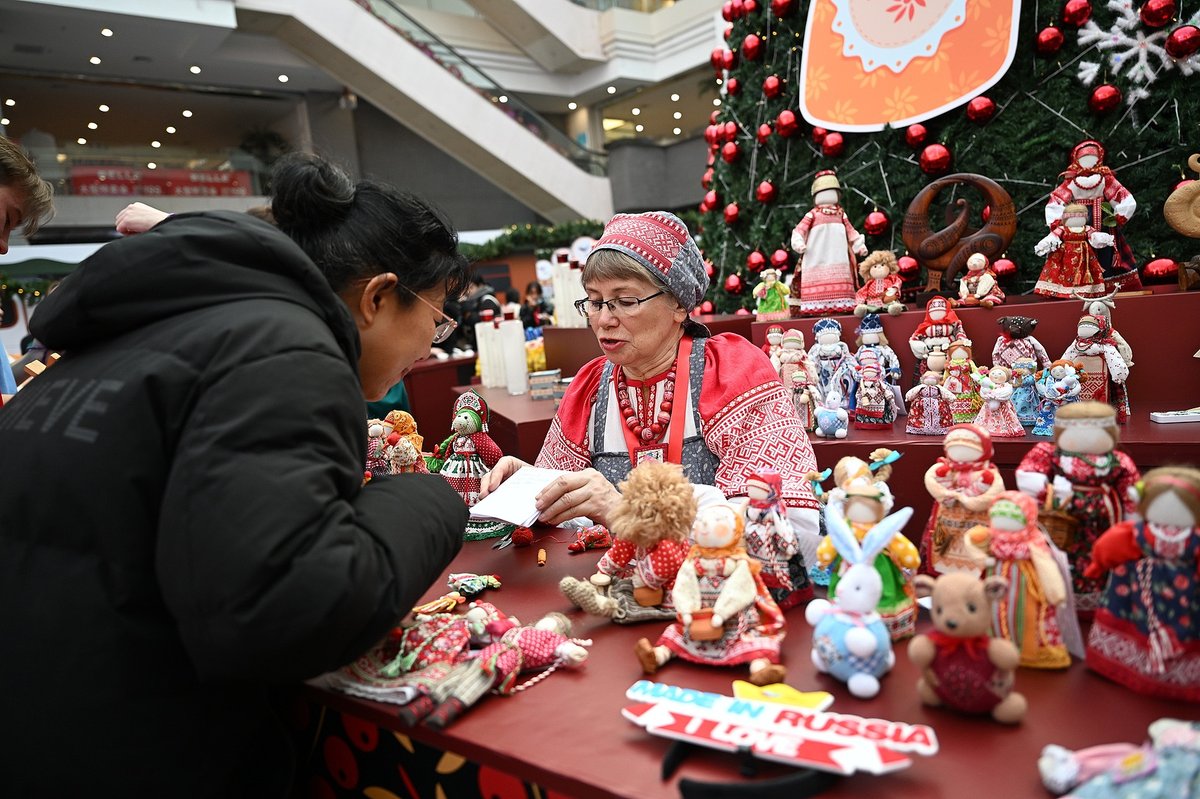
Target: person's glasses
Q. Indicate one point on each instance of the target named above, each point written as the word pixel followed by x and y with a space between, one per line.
pixel 619 306
pixel 444 328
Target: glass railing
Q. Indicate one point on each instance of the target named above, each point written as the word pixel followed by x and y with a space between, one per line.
pixel 647 6
pixel 420 37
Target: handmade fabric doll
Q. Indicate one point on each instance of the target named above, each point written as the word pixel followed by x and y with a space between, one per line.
pixel 979 287
pixel 929 407
pixel 1104 306
pixel 1072 268
pixel 404 452
pixel 805 399
pixel 1104 370
pixel 1166 767
pixel 819 574
pixel 1085 470
pixel 771 541
pixel 872 339
pixel 726 615
pixel 793 358
pixel 1025 397
pixel 1087 181
pixel 1146 634
pixel 962 667
pixel 774 344
pixel 1036 606
pixel 832 359
pixel 937 330
pixel 828 243
pixel 651 523
pixel 963 484
pixel 771 295
pixel 881 285
pixel 874 405
pixel 850 639
pixel 832 419
pixel 998 416
pixel 863 502
pixel 1057 386
pixel 470 453
pixel 377 446
pixel 1016 341
pixel 961 379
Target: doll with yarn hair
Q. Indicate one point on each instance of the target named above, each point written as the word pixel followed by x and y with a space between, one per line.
pixel 961 379
pixel 862 499
pixel 963 484
pixel 650 524
pixel 393 445
pixel 1146 634
pixel 998 416
pixel 929 407
pixel 940 327
pixel 1105 369
pixel 1057 386
pixel 881 285
pixel 979 287
pixel 726 616
pixel 832 359
pixel 771 540
pixel 1016 341
pixel 1089 477
pixel 1036 610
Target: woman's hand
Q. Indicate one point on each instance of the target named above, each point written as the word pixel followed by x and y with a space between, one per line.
pixel 138 218
pixel 504 469
pixel 585 493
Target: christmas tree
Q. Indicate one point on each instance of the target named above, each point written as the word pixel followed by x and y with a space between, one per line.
pixel 1122 74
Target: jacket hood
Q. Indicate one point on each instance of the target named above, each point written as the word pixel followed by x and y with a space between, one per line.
pixel 186 263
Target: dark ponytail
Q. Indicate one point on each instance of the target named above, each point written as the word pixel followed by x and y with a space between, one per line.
pixel 356 231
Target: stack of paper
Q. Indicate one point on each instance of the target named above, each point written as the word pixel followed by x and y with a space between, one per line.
pixel 514 500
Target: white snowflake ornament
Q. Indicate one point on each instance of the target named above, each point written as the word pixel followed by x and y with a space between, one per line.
pixel 1140 56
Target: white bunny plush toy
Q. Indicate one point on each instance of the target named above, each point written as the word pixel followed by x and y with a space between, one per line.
pixel 850 640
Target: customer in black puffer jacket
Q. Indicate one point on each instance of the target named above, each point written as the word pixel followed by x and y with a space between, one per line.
pixel 184 520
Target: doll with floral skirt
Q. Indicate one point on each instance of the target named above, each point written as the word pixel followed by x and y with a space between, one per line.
pixel 1103 365
pixel 470 453
pixel 962 380
pixel 881 285
pixel 979 287
pixel 726 616
pixel 832 359
pixel 828 243
pixel 963 484
pixel 863 499
pixel 1016 341
pixel 874 404
pixel 771 296
pixel 774 344
pixel 1057 386
pixel 650 524
pixel 793 358
pixel 804 399
pixel 1037 606
pixel 771 541
pixel 1025 396
pixel 1146 634
pixel 940 327
pixel 1072 268
pixel 929 407
pixel 871 339
pixel 1090 477
pixel 998 416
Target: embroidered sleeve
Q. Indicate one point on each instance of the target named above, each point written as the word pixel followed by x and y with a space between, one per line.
pixel 566 444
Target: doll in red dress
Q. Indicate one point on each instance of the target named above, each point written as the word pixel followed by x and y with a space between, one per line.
pixel 963 484
pixel 829 244
pixel 1072 269
pixel 979 286
pixel 937 330
pixel 470 453
pixel 881 285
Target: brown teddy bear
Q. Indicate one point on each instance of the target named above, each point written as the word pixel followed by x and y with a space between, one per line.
pixel 963 667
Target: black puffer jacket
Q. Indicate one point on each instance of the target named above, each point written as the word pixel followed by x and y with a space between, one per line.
pixel 183 522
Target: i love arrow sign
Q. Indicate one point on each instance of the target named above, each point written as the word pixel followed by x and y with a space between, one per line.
pixel 836 742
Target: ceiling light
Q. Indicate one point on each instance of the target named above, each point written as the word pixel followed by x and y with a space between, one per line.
pixel 283 78
pixel 678 115
pixel 170 128
pixel 156 143
pixel 503 98
pixel 92 126
pixel 636 111
pixel 612 90
pixel 10 102
pixel 195 70
pixel 81 140
pixel 674 98
pixel 719 81
pixel 639 128
pixel 95 59
pixel 151 165
pixel 106 31
pixel 571 106
pixel 717 102
pixel 677 131
pixel 187 113
pixel 5 122
pixel 103 108
pixel 61 158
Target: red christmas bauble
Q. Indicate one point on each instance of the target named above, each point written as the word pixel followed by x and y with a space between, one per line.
pixel 1161 269
pixel 728 59
pixel 713 117
pixel 712 198
pixel 703 207
pixel 706 178
pixel 749 6
pixel 765 193
pixel 1104 98
pixel 729 131
pixel 730 152
pixel 764 133
pixel 755 261
pixel 733 284
pixel 742 312
pixel 712 158
pixel 728 32
pixel 1156 13
pixel 818 135
pixel 986 213
pixel 727 11
pixel 908 265
pixel 833 145
pixel 709 269
pixel 780 259
pixel 717 59
pixel 739 8
pixel 1049 41
pixel 772 86
pixel 1182 42
pixel 731 214
pixel 915 135
pixel 981 109
pixel 752 46
pixel 782 8
pixel 706 307
pixel 785 123
pixel 1003 267
pixel 1077 12
pixel 935 159
pixel 733 86
pixel 876 223
pixel 710 134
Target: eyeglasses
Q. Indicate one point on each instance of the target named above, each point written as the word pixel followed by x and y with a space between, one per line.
pixel 444 328
pixel 619 306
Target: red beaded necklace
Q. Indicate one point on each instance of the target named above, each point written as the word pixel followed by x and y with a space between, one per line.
pixel 633 420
